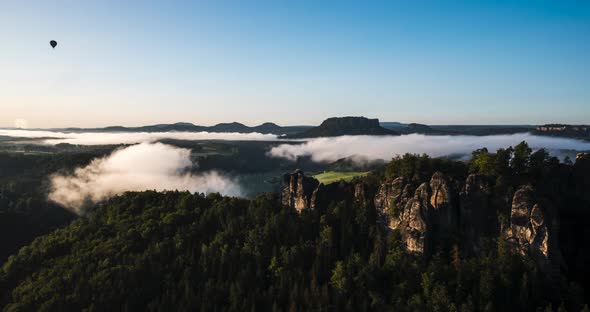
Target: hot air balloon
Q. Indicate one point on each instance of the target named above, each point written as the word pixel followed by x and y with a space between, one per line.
pixel 53 43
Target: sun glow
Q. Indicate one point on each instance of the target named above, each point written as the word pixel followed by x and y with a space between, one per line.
pixel 20 123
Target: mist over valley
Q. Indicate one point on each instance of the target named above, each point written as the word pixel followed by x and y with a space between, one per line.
pixel 295 156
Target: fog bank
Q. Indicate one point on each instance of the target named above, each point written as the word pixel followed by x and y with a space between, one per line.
pixel 386 147
pixel 146 166
pixel 100 138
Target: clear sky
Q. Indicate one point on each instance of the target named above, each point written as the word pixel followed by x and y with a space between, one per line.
pixel 293 62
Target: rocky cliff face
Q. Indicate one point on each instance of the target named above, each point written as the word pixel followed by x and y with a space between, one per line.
pixel 546 223
pixel 298 191
pixel 421 214
pixel 301 192
pixel 533 229
pixel 416 222
pixel 403 207
pixel 431 213
pixel 391 200
pixel 428 215
pixel 444 215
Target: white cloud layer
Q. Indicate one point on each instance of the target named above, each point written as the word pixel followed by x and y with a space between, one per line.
pixel 386 147
pixel 146 166
pixel 99 138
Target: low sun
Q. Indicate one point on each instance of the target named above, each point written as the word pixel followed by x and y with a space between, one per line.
pixel 20 123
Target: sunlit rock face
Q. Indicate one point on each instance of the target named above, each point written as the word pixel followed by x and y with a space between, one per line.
pixel 416 225
pixel 443 214
pixel 391 199
pixel 402 207
pixel 419 214
pixel 431 214
pixel 298 191
pixel 534 228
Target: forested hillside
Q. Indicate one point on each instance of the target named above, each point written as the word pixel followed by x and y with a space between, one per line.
pixel 158 251
pixel 181 251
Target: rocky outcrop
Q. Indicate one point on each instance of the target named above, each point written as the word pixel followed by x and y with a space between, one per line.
pixel 534 229
pixel 583 157
pixel 428 216
pixel 391 200
pixel 362 195
pixel 415 222
pixel 441 200
pixel 420 214
pixel 542 222
pixel 298 191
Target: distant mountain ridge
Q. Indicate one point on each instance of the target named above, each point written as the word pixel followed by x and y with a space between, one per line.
pixel 478 130
pixel 334 126
pixel 265 128
pixel 337 126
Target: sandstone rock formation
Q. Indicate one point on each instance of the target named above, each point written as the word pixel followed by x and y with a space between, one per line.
pixel 443 214
pixel 391 200
pixel 301 192
pixel 362 195
pixel 415 222
pixel 428 215
pixel 419 214
pixel 298 191
pixel 534 228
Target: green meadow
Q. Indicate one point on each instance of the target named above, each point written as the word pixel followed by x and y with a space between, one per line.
pixel 335 176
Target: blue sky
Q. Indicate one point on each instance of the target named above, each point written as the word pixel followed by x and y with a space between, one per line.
pixel 294 62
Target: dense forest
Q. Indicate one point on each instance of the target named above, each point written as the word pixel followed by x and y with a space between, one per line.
pixel 181 251
pixel 25 212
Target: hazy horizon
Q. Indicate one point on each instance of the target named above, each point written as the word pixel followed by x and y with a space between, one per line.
pixel 293 63
pixel 26 126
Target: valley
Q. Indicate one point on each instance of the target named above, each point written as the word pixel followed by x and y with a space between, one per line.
pixel 360 202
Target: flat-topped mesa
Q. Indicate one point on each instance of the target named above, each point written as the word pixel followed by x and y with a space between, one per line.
pixel 298 190
pixel 338 126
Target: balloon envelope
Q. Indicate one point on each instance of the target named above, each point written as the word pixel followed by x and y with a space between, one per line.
pixel 53 43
